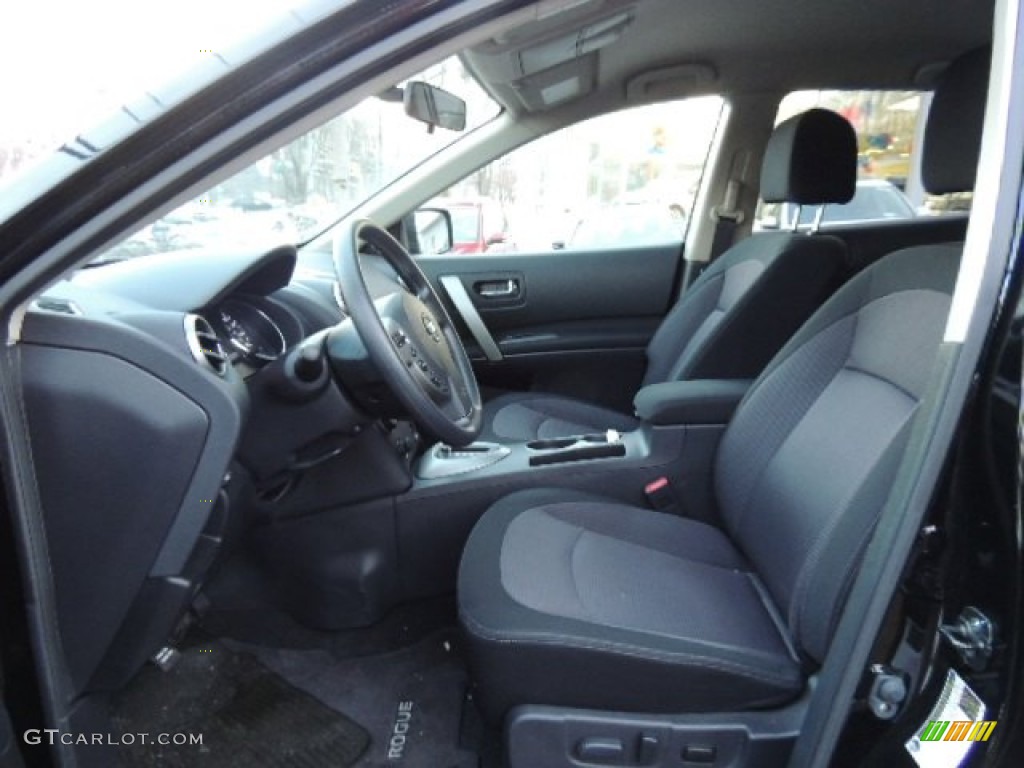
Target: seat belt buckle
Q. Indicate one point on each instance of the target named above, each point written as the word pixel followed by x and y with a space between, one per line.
pixel 662 497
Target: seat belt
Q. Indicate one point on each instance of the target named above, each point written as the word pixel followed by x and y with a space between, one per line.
pixel 727 217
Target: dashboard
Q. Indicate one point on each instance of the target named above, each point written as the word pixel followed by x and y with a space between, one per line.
pixel 158 422
pixel 258 304
pixel 220 324
pixel 239 319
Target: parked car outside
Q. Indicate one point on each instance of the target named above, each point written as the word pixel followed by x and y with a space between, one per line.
pixel 479 225
pixel 627 225
pixel 874 200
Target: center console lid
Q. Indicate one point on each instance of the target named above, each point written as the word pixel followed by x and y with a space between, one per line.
pixel 701 401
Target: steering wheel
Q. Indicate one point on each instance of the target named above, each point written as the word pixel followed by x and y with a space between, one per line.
pixel 409 338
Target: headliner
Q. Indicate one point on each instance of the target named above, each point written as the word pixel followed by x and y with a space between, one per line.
pixel 757 45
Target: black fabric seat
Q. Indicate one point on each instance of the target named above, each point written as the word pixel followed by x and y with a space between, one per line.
pixel 744 307
pixel 575 600
pixel 572 598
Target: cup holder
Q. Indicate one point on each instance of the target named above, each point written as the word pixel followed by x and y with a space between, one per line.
pixel 553 444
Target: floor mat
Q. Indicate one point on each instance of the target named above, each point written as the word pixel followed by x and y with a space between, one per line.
pixel 260 623
pixel 247 715
pixel 412 700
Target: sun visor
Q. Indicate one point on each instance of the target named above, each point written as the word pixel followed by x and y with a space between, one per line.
pixel 557 85
pixel 525 51
pixel 590 38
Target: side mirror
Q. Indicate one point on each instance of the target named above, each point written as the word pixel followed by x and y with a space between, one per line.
pixel 558 245
pixel 434 106
pixel 433 231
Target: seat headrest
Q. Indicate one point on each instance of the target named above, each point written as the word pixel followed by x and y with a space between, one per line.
pixel 811 159
pixel 952 139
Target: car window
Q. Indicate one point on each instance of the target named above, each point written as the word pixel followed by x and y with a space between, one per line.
pixel 873 200
pixel 626 179
pixel 465 223
pixel 889 126
pixel 298 190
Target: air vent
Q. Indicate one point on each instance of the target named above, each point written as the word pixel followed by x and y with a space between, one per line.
pixel 205 345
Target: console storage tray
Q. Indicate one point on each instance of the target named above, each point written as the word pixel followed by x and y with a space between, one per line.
pixel 563 449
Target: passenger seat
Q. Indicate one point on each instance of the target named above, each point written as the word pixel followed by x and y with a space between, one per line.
pixel 744 307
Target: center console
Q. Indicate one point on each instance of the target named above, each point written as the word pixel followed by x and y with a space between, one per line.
pixel 443 461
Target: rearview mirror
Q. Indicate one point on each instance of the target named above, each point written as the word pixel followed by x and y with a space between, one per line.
pixel 434 106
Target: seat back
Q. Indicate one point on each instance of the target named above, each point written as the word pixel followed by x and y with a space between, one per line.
pixel 744 306
pixel 805 466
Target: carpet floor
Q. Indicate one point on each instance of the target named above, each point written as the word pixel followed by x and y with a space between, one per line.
pixel 245 714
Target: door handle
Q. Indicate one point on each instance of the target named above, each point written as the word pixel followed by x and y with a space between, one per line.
pixel 498 289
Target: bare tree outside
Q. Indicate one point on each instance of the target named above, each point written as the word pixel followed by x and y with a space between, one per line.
pixel 299 162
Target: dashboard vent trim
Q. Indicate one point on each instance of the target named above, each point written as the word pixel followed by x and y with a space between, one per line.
pixel 56 305
pixel 204 344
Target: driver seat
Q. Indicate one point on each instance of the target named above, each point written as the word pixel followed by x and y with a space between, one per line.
pixel 572 599
pixel 730 322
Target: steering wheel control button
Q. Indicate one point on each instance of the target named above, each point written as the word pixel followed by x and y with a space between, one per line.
pixel 431 327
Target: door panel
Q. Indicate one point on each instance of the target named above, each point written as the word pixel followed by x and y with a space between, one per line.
pixel 572 322
pixel 590 220
pixel 560 286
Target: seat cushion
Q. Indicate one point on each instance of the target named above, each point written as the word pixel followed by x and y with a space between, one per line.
pixel 529 416
pixel 573 599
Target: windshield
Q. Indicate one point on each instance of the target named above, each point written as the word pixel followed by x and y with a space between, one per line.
pixel 295 192
pixel 70 66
